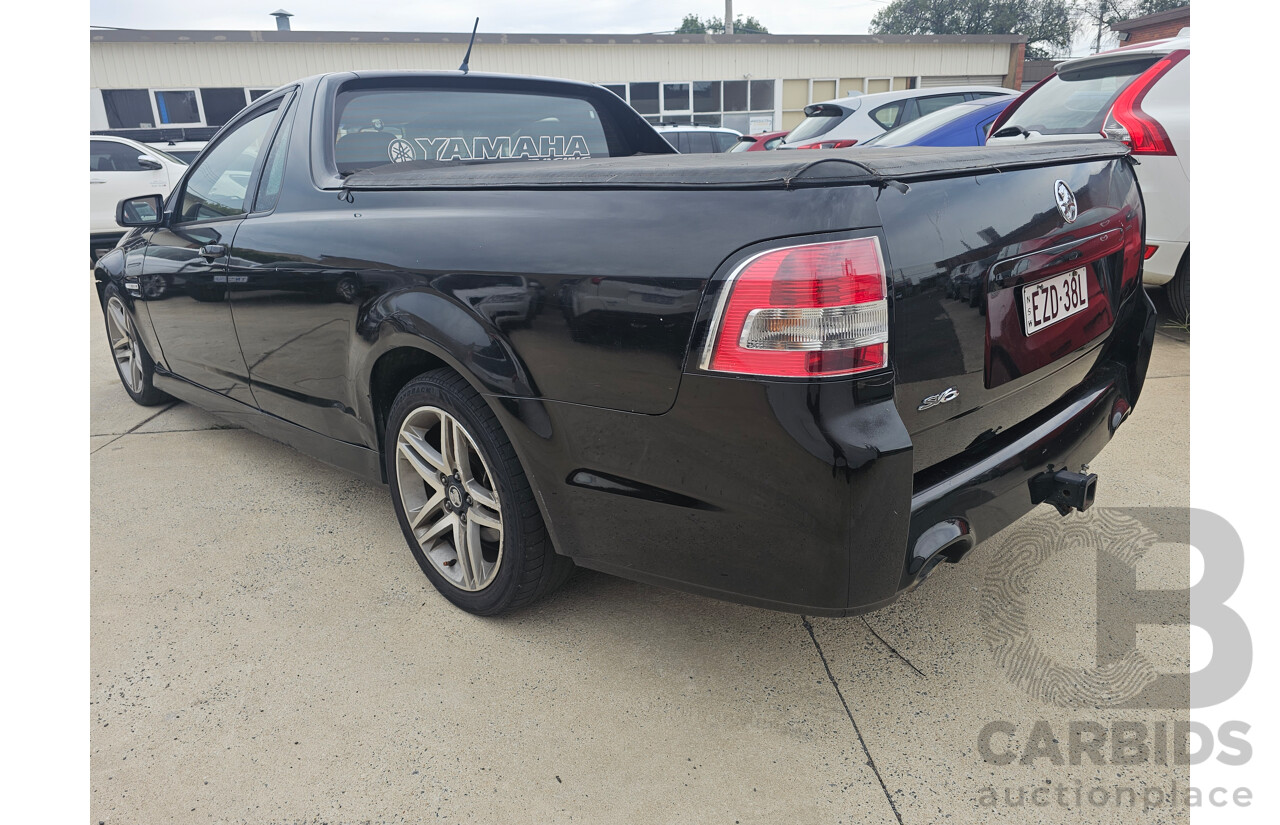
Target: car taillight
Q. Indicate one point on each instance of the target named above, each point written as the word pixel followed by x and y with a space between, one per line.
pixel 1128 123
pixel 804 311
pixel 829 144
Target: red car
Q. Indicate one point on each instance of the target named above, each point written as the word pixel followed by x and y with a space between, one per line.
pixel 758 143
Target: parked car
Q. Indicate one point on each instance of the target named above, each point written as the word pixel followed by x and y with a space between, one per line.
pixel 184 150
pixel 964 124
pixel 1140 95
pixel 118 168
pixel 848 121
pixel 767 401
pixel 689 139
pixel 758 143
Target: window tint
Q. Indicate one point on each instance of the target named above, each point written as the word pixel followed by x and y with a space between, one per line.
pixel 735 96
pixel 177 107
pixel 217 185
pixel 109 156
pixel 818 121
pixel 935 103
pixel 886 115
pixel 220 105
pixel 128 108
pixel 273 169
pixel 1077 102
pixel 706 96
pixel 675 97
pixel 644 98
pixel 700 142
pixel 724 140
pixel 381 126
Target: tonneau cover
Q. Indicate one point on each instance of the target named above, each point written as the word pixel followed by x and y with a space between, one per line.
pixel 745 170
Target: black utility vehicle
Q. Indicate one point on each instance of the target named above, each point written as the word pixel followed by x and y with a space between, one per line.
pixel 745 375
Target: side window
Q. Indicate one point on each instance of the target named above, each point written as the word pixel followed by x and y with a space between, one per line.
pixel 887 115
pixel 929 105
pixel 724 141
pixel 700 143
pixel 217 185
pixel 273 169
pixel 109 156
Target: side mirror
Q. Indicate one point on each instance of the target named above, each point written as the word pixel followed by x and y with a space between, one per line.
pixel 147 210
pixel 149 163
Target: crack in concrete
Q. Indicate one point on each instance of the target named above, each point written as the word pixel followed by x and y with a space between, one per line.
pixel 892 649
pixel 136 426
pixel 871 763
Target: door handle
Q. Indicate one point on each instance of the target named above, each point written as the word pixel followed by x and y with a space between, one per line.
pixel 212 251
pixel 91 181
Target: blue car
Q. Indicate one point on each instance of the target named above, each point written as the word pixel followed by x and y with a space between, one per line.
pixel 964 124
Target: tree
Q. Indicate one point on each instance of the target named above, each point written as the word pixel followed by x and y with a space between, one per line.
pixel 693 24
pixel 1098 15
pixel 1049 25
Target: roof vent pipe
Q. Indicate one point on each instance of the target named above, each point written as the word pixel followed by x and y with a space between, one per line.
pixel 282 19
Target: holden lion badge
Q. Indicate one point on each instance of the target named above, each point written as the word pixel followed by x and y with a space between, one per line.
pixel 1066 201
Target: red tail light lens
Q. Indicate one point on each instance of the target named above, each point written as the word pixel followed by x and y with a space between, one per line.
pixel 829 144
pixel 1148 251
pixel 804 311
pixel 1127 122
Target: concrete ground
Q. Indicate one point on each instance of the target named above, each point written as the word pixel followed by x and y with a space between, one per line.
pixel 266 650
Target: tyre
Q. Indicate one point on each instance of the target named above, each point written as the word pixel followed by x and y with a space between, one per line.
pixel 1178 291
pixel 463 501
pixel 133 363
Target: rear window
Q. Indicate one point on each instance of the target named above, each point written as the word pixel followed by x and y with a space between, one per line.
pixel 920 127
pixel 376 127
pixel 818 121
pixel 1077 102
pixel 744 143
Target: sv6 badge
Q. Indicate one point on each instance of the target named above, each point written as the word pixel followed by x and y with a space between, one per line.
pixel 949 394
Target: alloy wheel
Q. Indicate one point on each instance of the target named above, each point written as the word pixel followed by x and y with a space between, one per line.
pixel 449 498
pixel 124 345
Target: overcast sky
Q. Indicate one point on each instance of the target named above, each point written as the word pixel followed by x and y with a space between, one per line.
pixel 585 16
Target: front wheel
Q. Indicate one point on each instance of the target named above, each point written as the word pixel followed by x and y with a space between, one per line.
pixel 133 364
pixel 463 501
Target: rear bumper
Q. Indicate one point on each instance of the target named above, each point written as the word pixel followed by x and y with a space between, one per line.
pixel 1160 268
pixel 797 497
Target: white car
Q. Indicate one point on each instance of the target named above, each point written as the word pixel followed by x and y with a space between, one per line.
pixel 120 168
pixel 184 150
pixel 689 139
pixel 847 121
pixel 1140 95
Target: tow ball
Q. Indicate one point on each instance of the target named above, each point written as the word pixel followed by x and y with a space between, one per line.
pixel 1065 490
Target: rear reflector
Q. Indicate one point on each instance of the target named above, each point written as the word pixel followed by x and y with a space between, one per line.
pixel 1148 251
pixel 1128 123
pixel 801 311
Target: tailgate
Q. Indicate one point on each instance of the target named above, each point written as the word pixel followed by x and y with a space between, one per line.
pixel 1000 304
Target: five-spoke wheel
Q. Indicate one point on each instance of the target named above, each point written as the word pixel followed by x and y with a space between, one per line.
pixel 448 496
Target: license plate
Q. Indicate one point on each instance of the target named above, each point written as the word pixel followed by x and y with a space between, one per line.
pixel 1049 301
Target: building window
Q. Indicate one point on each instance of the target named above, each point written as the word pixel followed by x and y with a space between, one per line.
pixel 254 94
pixel 644 98
pixel 128 108
pixel 220 105
pixel 675 97
pixel 178 106
pixel 746 106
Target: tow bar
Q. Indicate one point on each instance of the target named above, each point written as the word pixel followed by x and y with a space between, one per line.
pixel 1064 489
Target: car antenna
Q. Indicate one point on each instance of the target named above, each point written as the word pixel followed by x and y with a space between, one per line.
pixel 464 68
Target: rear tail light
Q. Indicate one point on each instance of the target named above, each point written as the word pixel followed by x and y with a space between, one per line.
pixel 829 144
pixel 803 311
pixel 1128 123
